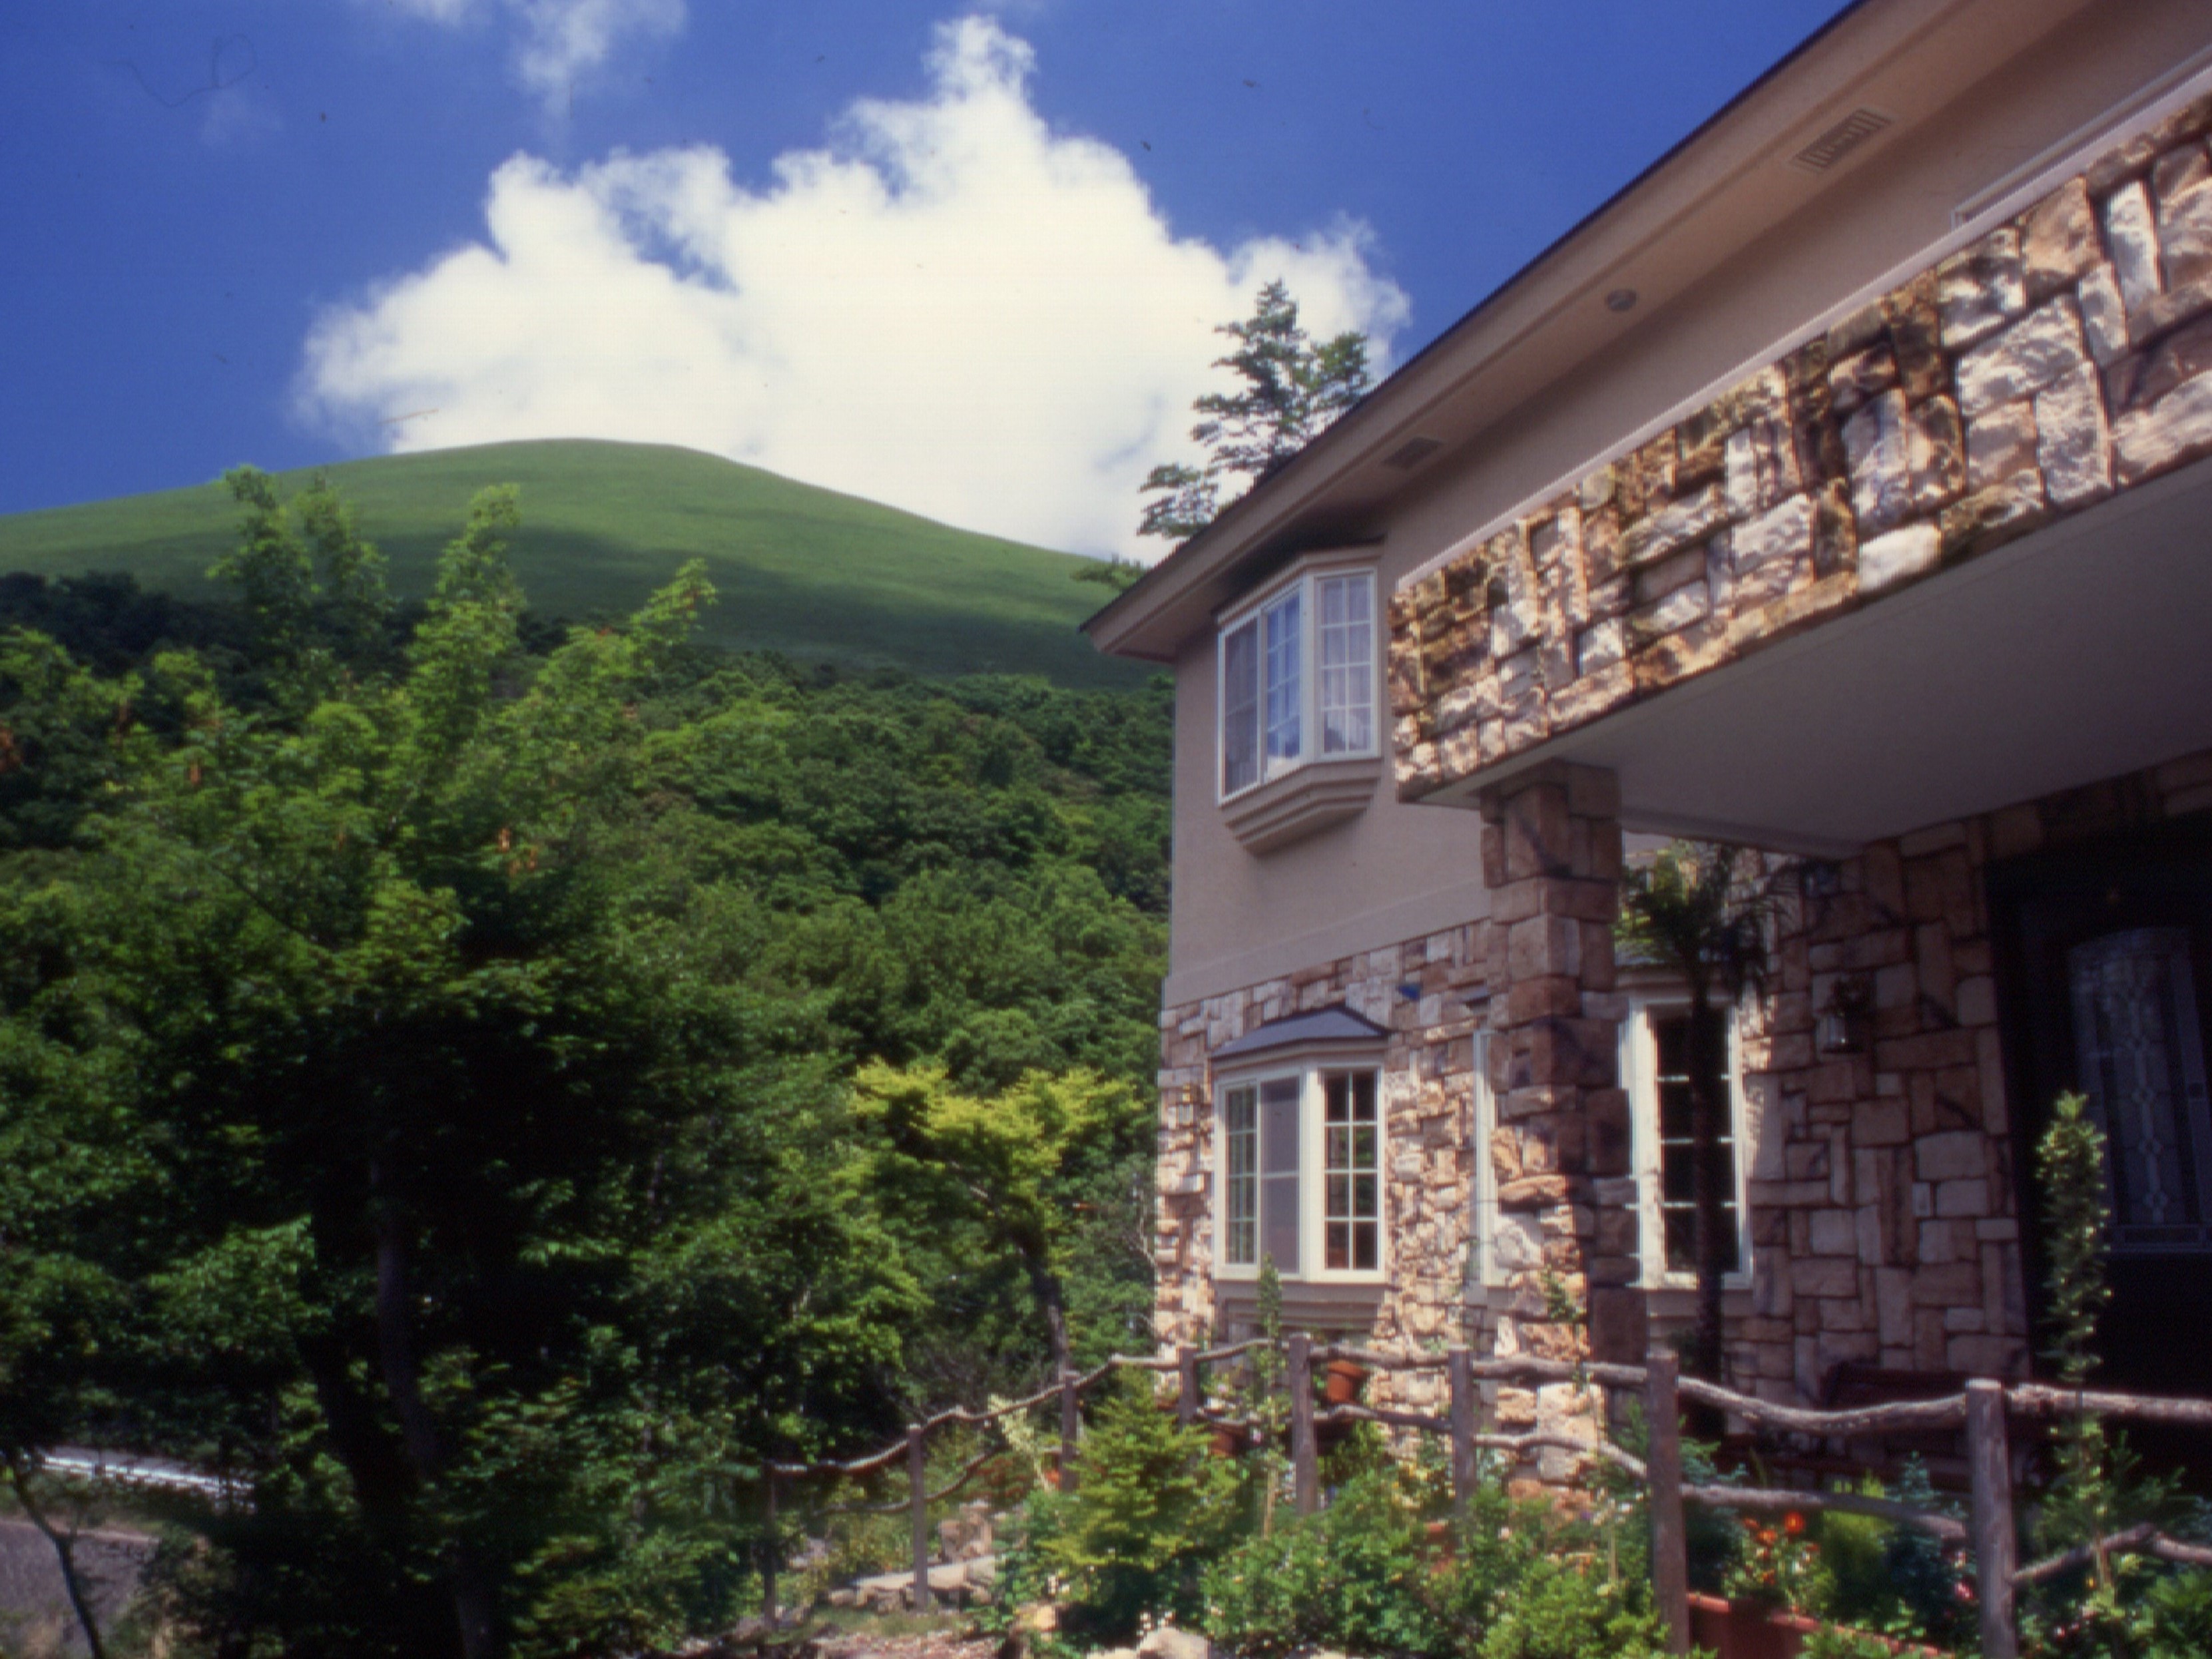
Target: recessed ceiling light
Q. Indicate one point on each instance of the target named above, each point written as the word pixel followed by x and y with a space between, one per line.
pixel 1620 299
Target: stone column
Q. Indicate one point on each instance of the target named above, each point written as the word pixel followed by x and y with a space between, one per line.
pixel 1566 1203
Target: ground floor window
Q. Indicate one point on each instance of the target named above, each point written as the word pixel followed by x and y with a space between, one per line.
pixel 1656 1065
pixel 1300 1166
pixel 1353 1216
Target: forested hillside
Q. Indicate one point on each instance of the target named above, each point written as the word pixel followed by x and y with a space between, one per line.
pixel 485 1085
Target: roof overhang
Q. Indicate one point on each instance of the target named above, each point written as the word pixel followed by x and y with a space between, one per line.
pixel 1716 192
pixel 2080 653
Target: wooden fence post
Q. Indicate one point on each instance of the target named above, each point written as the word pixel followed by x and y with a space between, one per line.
pixel 1187 1385
pixel 1995 1545
pixel 1071 1427
pixel 1305 1460
pixel 917 1477
pixel 770 1550
pixel 1670 1564
pixel 1461 1365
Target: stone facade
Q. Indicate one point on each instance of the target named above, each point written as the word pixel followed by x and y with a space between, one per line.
pixel 1420 990
pixel 2065 355
pixel 1883 1200
pixel 1884 1209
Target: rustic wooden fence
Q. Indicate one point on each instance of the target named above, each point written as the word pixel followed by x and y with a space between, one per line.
pixel 1983 1409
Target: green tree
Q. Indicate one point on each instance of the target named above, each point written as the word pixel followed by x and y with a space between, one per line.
pixel 1291 390
pixel 405 982
pixel 996 1162
pixel 1696 908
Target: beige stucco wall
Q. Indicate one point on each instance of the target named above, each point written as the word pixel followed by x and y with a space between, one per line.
pixel 1241 917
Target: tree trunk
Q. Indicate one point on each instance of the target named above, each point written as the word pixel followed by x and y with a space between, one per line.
pixel 1711 1185
pixel 472 1600
pixel 64 1545
pixel 1044 1288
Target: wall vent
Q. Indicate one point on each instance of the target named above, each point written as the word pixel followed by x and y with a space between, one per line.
pixel 1841 139
pixel 1411 453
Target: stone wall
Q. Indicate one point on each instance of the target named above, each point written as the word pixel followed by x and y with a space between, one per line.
pixel 1418 989
pixel 1883 1212
pixel 2066 354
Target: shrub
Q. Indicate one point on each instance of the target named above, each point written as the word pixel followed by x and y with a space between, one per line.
pixel 1152 1507
pixel 1356 1577
pixel 1560 1609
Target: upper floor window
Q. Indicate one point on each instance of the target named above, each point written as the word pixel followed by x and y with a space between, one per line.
pixel 1298 678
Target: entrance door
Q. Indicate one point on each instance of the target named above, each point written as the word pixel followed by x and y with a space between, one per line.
pixel 2109 964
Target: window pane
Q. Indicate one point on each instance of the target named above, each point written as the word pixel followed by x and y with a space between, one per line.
pixel 1285 694
pixel 1670 1041
pixel 1352 1193
pixel 1347 664
pixel 1240 707
pixel 1279 1153
pixel 2142 1063
pixel 1240 1124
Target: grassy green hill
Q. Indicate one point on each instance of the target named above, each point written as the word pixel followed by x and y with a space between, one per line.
pixel 808 572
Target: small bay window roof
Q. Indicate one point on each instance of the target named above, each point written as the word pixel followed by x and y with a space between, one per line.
pixel 1336 1024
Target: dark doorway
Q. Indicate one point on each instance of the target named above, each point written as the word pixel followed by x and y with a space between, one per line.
pixel 2106 962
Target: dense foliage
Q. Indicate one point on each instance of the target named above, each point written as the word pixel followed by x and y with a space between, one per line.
pixel 427 1046
pixel 1162 1530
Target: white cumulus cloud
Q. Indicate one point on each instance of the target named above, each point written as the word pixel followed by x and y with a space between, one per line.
pixel 952 309
pixel 561 40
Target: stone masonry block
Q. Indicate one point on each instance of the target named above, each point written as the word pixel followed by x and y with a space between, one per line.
pixel 2058 242
pixel 2074 445
pixel 2042 347
pixel 2131 234
pixel 1980 288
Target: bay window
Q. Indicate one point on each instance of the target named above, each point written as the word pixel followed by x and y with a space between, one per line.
pixel 1297 674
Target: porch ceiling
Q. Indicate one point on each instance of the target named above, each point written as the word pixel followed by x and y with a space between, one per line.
pixel 2076 653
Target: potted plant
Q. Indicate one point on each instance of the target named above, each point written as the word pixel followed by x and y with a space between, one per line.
pixel 1342 1381
pixel 1770 1586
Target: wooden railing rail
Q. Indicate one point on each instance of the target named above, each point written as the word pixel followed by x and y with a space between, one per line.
pixel 2041 1399
pixel 1899 1417
pixel 1981 1409
pixel 2145 1540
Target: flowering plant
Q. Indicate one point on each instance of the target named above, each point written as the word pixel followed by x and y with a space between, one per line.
pixel 1777 1566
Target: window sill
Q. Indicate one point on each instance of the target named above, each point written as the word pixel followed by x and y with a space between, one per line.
pixel 1301 802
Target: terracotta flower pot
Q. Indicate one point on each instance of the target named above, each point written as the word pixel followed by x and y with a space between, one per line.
pixel 1745 1629
pixel 1342 1379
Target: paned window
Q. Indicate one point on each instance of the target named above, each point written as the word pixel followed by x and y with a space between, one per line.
pixel 1677 1146
pixel 1352 1220
pixel 1297 679
pixel 1347 664
pixel 2142 1060
pixel 1240 1182
pixel 1300 1162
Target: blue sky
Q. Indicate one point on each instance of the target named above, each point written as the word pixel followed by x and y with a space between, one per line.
pixel 965 261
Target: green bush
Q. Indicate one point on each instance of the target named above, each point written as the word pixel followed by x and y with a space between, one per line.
pixel 1153 1506
pixel 1356 1577
pixel 1363 1576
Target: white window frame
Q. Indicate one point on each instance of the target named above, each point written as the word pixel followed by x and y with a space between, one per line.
pixel 1310 1071
pixel 1303 580
pixel 1639 1069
